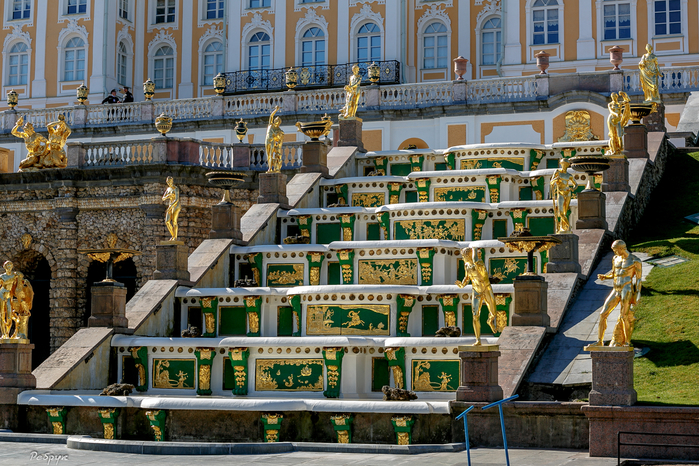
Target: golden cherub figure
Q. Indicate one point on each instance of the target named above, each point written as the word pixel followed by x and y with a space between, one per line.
pixel 562 186
pixel 353 93
pixel 172 195
pixel 481 292
pixel 626 275
pixel 273 143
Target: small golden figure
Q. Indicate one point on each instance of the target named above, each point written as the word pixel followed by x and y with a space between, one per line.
pixel 626 274
pixel 562 186
pixel 353 92
pixel 481 292
pixel 58 136
pixel 619 115
pixel 650 75
pixel 16 296
pixel 40 152
pixel 273 143
pixel 35 143
pixel 172 195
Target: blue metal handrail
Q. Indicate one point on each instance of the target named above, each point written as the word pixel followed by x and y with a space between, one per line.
pixel 502 422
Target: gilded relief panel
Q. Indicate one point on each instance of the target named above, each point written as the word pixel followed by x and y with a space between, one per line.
pixel 285 275
pixel 368 199
pixel 451 229
pixel 174 373
pixel 369 319
pixel 289 375
pixel 463 193
pixel 388 272
pixel 435 375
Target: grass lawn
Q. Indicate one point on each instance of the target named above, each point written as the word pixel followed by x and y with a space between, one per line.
pixel 668 313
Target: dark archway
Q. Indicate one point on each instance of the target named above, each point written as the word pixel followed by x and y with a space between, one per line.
pixel 123 272
pixel 37 270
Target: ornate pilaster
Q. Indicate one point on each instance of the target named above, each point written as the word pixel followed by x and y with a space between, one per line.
pixel 519 216
pixel 478 218
pixel 239 363
pixel 108 417
pixel 494 187
pixel 346 258
pixel 255 261
pixel 405 307
pixel 140 356
pixel 450 160
pixel 209 310
pixel 157 423
pixel 450 305
pixel 333 366
pixel 423 189
pixel 342 423
pixel 205 359
pixel 315 261
pixel 272 424
pixel 416 162
pixel 295 302
pixel 385 223
pixel 57 418
pixel 535 157
pixel 538 183
pixel 305 222
pixel 394 190
pixel 425 257
pixel 252 308
pixel 396 361
pixel 342 196
pixel 403 427
pixel 380 164
pixel 347 222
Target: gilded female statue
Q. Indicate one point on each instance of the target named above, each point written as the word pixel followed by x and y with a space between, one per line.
pixel 273 143
pixel 619 115
pixel 562 186
pixel 172 195
pixel 650 75
pixel 352 95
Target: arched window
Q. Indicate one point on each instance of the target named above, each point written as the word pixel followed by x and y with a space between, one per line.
pixel 545 22
pixel 491 40
pixel 122 64
pixel 164 67
pixel 213 61
pixel 369 43
pixel 74 60
pixel 435 46
pixel 18 64
pixel 313 47
pixel 258 52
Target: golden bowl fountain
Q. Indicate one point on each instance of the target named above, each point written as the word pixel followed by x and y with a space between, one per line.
pixel 522 240
pixel 315 129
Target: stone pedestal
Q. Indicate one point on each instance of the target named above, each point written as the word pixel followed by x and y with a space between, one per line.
pixel 273 189
pixel 531 308
pixel 241 155
pixel 656 120
pixel 592 212
pixel 225 222
pixel 479 374
pixel 15 369
pixel 563 257
pixel 351 133
pixel 636 141
pixel 315 158
pixel 108 305
pixel 612 376
pixel 616 178
pixel 171 261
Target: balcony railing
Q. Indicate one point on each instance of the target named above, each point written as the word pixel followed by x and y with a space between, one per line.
pixel 308 77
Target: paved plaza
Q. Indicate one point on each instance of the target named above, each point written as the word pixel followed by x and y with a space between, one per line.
pixel 19 454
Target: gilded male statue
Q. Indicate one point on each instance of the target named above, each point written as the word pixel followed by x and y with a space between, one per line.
pixel 650 76
pixel 619 115
pixel 36 145
pixel 626 275
pixel 352 94
pixel 58 136
pixel 481 292
pixel 562 186
pixel 13 297
pixel 172 196
pixel 273 142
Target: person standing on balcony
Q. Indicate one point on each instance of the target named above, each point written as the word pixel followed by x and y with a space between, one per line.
pixel 111 98
pixel 128 96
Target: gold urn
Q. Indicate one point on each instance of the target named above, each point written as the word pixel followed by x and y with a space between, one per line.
pixel 241 129
pixel 163 124
pixel 374 72
pixel 291 77
pixel 82 91
pixel 148 89
pixel 315 129
pixel 220 83
pixel 12 99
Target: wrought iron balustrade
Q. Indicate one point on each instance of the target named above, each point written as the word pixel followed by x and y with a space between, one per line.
pixel 308 77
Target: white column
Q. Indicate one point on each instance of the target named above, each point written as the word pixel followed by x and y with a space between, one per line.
pixel 189 15
pixel 97 82
pixel 110 52
pixel 464 36
pixel 140 53
pixel 280 35
pixel 234 40
pixel 513 48
pixel 586 42
pixel 343 32
pixel 391 39
pixel 39 82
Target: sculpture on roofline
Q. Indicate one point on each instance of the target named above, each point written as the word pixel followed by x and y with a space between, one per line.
pixel 42 153
pixel 619 115
pixel 626 275
pixel 481 292
pixel 352 94
pixel 562 186
pixel 273 142
pixel 650 76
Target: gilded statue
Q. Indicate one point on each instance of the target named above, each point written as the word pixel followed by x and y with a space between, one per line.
pixel 650 76
pixel 619 115
pixel 43 153
pixel 481 292
pixel 16 297
pixel 273 142
pixel 626 276
pixel 352 94
pixel 172 196
pixel 562 186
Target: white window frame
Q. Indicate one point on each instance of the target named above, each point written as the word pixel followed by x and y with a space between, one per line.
pixel 66 5
pixel 203 12
pixel 248 5
pixel 129 11
pixel 299 43
pixel 64 16
pixel 299 5
pixel 683 37
pixel 558 48
pixel 70 90
pixel 161 40
pixel 6 60
pixel 129 61
pixel 479 40
pixel 164 58
pixel 421 47
pixel 8 22
pixel 202 62
pixel 152 9
pixel 628 44
pixel 354 38
pixel 248 44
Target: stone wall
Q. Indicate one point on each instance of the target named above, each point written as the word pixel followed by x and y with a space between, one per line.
pixel 51 214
